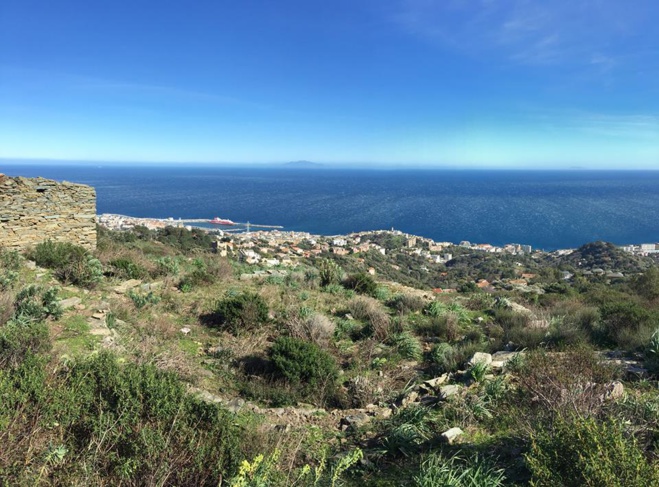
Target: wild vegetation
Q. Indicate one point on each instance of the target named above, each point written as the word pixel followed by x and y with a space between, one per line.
pixel 155 361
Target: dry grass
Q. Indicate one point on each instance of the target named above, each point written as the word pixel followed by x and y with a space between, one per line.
pixel 316 328
pixel 6 307
pixel 372 312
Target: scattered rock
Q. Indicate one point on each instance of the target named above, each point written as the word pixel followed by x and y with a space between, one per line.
pixel 614 390
pixel 207 396
pixel 125 286
pixel 100 331
pixel 481 357
pixel 30 264
pixel 355 420
pixel 434 384
pixel 98 316
pixel 235 405
pixel 383 413
pixel 185 330
pixel 151 286
pixel 448 391
pixel 409 399
pixel 499 359
pixel 450 435
pixel 70 302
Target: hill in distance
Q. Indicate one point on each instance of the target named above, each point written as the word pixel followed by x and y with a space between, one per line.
pixel 606 256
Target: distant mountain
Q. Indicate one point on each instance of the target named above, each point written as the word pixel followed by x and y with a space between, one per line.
pixel 303 164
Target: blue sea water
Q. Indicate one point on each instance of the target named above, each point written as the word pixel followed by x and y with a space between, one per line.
pixel 546 209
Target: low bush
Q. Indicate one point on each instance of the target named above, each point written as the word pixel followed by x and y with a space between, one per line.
pixel 361 283
pixel 626 324
pixel 141 300
pixel 19 339
pixel 406 303
pixel 407 346
pixel 304 363
pixel 372 313
pixel 240 313
pixel 7 279
pixel 167 266
pixel 125 268
pixel 10 263
pixel 577 451
pixel 71 264
pixel 35 303
pixel 570 381
pixel 329 272
pixel 205 271
pixel 449 358
pixel 98 422
pixel 314 327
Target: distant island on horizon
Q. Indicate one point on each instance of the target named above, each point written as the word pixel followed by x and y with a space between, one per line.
pixel 303 164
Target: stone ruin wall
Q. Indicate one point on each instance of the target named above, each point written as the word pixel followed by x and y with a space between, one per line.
pixel 33 210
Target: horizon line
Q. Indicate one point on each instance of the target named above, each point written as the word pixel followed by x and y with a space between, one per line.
pixel 314 165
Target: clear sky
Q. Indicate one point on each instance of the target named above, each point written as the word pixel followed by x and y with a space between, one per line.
pixel 467 83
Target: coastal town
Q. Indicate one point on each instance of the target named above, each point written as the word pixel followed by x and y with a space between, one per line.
pixel 279 249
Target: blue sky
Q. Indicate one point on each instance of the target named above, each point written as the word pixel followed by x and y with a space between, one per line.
pixel 459 83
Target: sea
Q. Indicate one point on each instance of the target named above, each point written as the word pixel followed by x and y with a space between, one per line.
pixel 545 209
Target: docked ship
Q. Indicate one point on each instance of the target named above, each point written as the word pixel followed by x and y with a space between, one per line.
pixel 221 221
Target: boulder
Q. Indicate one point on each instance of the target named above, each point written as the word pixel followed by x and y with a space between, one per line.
pixel 356 420
pixel 499 359
pixel 435 383
pixel 614 390
pixel 449 390
pixel 125 286
pixel 481 357
pixel 235 405
pixel 70 302
pixel 449 436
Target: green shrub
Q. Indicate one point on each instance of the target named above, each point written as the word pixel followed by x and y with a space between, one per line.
pixel 127 269
pixel 141 300
pixel 96 422
pixel 449 358
pixel 406 303
pixel 578 452
pixel 10 263
pixel 626 324
pixel 10 260
pixel 329 272
pixel 407 431
pixel 361 283
pixel 240 313
pixel 168 266
pixel 333 289
pixel 7 279
pixel 35 303
pixel 71 264
pixel 304 363
pixel 55 255
pixel 407 346
pixel 19 339
pixel 382 293
pixel 443 356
